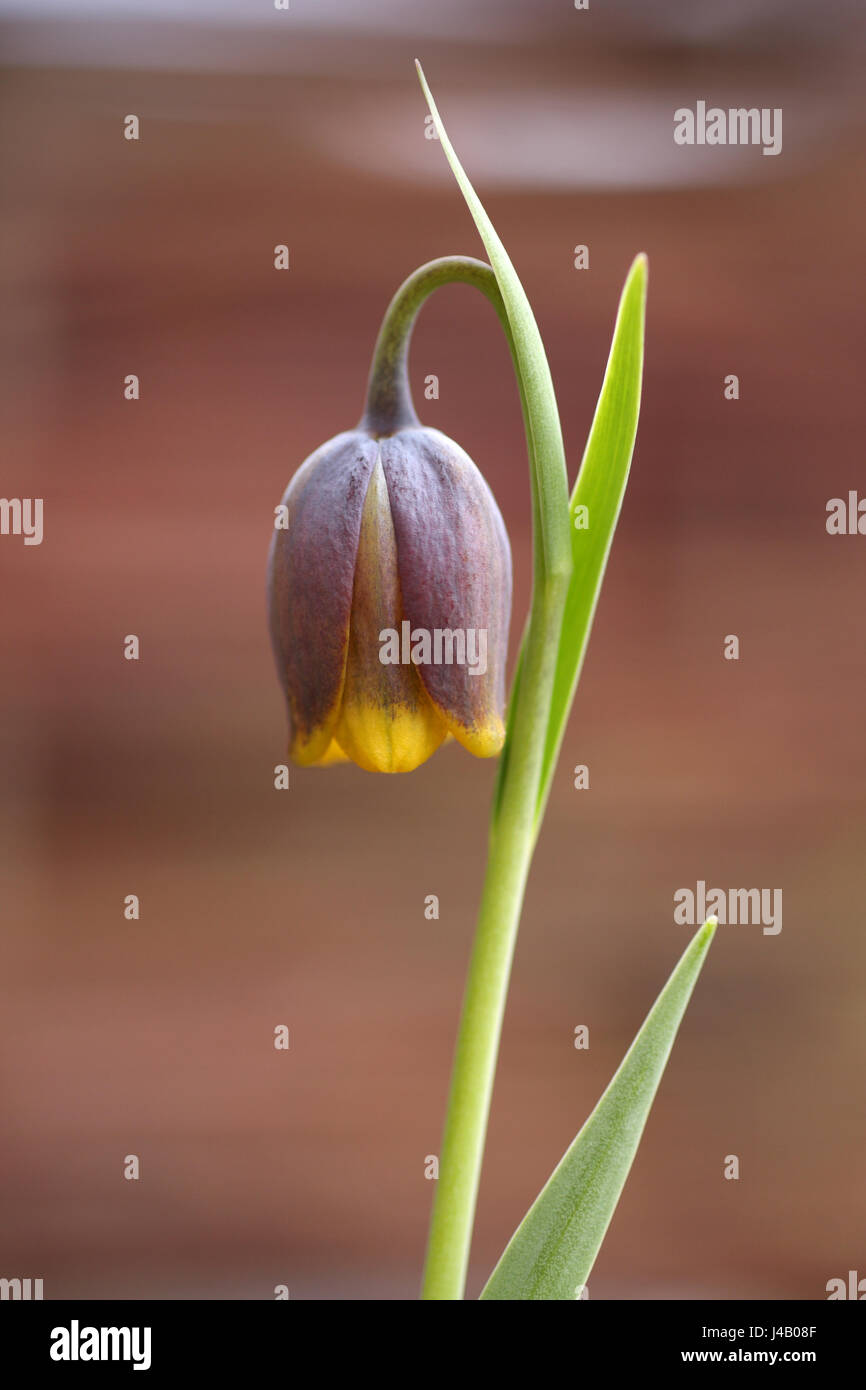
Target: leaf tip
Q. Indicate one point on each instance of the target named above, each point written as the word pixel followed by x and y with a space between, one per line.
pixel 639 271
pixel 708 931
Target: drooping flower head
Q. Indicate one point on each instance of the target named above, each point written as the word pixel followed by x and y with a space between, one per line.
pixel 390 598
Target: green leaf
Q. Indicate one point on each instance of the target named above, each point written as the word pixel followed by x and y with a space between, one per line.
pixel 600 487
pixel 540 413
pixel 553 1249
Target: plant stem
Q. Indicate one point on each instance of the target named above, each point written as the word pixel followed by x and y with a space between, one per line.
pixel 512 841
pixel 388 406
pixel 514 823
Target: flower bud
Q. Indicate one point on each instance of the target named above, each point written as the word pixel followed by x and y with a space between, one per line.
pixel 390 600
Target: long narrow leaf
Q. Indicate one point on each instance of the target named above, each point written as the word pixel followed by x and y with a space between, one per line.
pixel 544 434
pixel 599 489
pixel 553 1249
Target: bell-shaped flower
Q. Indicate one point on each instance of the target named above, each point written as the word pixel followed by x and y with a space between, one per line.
pixel 390 600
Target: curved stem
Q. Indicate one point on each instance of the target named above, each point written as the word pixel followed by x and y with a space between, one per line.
pixel 389 405
pixel 514 825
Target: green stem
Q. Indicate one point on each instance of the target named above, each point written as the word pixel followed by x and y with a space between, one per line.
pixel 389 405
pixel 512 841
pixel 514 825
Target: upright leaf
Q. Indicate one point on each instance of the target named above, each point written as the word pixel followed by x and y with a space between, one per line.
pixel 553 1249
pixel 599 490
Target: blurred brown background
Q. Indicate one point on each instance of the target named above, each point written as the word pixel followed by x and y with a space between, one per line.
pixel 306 907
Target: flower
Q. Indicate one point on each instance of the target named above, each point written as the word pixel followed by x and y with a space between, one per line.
pixel 390 600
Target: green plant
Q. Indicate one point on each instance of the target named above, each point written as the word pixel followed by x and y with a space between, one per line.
pixel 551 1253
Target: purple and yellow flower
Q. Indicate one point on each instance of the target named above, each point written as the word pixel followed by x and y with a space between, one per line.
pixel 390 600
